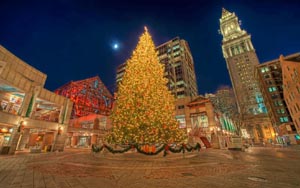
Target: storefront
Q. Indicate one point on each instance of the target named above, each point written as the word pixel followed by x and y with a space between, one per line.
pixel 10 101
pixel 5 137
pixel 82 140
pixel 40 139
pixel 87 130
pixel 30 115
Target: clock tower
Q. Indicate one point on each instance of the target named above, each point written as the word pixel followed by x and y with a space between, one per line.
pixel 241 60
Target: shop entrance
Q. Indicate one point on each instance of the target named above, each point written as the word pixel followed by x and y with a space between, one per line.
pixel 5 136
pixel 83 141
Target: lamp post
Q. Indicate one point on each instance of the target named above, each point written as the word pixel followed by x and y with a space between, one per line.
pixel 276 137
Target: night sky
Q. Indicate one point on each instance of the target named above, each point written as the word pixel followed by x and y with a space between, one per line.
pixel 73 40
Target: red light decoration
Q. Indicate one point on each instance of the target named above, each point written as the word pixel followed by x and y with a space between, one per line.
pixel 90 96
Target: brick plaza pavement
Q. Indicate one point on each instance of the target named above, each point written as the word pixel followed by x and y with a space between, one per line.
pixel 256 167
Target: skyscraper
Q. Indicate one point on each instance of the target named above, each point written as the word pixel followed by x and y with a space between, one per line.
pixel 241 60
pixel 177 58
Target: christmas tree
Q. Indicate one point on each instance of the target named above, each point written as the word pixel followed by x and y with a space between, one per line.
pixel 145 108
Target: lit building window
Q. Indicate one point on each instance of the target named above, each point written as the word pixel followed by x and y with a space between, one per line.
pixel 272 89
pixel 284 119
pixel 264 69
pixel 181 120
pixel 280 111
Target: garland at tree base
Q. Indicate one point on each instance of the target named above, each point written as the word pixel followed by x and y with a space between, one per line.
pixel 150 153
pixel 163 147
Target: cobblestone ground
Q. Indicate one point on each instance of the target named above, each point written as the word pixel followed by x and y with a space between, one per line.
pixel 256 167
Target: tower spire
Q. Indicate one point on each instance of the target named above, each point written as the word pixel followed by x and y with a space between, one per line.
pixel 225 13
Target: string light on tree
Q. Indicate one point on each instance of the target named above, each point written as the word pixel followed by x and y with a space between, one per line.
pixel 144 110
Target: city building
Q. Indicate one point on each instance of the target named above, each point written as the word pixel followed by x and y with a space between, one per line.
pixel 31 117
pixel 270 79
pixel 290 66
pixel 179 68
pixel 241 60
pixel 92 104
pixel 198 116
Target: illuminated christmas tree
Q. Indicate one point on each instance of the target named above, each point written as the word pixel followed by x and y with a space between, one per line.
pixel 144 111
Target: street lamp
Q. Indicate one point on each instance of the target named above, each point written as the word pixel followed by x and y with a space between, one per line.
pixel 59 130
pixel 21 126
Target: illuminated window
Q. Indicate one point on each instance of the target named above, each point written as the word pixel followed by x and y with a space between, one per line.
pixel 281 111
pixel 181 120
pixel 264 69
pixel 176 54
pixel 272 89
pixel 284 119
pixel 176 47
pixel 278 103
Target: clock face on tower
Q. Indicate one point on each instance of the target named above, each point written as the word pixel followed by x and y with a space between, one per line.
pixel 228 28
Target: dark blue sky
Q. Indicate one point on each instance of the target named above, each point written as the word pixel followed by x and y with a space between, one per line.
pixel 72 40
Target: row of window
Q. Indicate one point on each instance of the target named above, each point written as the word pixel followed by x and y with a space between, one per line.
pixel 267 69
pixel 235 50
pixel 281 111
pixel 278 103
pixel 272 89
pixel 264 69
pixel 176 54
pixel 284 119
pixel 294 70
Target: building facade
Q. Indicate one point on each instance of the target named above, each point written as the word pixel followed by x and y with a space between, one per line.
pixel 290 66
pixel 31 117
pixel 198 116
pixel 269 75
pixel 92 105
pixel 241 60
pixel 179 68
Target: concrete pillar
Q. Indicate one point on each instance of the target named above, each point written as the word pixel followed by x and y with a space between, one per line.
pixel 215 141
pixel 210 114
pixel 60 141
pixel 25 104
pixel 15 138
pixel 24 139
pixel 94 139
pixel 75 140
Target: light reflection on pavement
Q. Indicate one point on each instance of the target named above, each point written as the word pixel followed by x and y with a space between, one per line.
pixel 256 167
